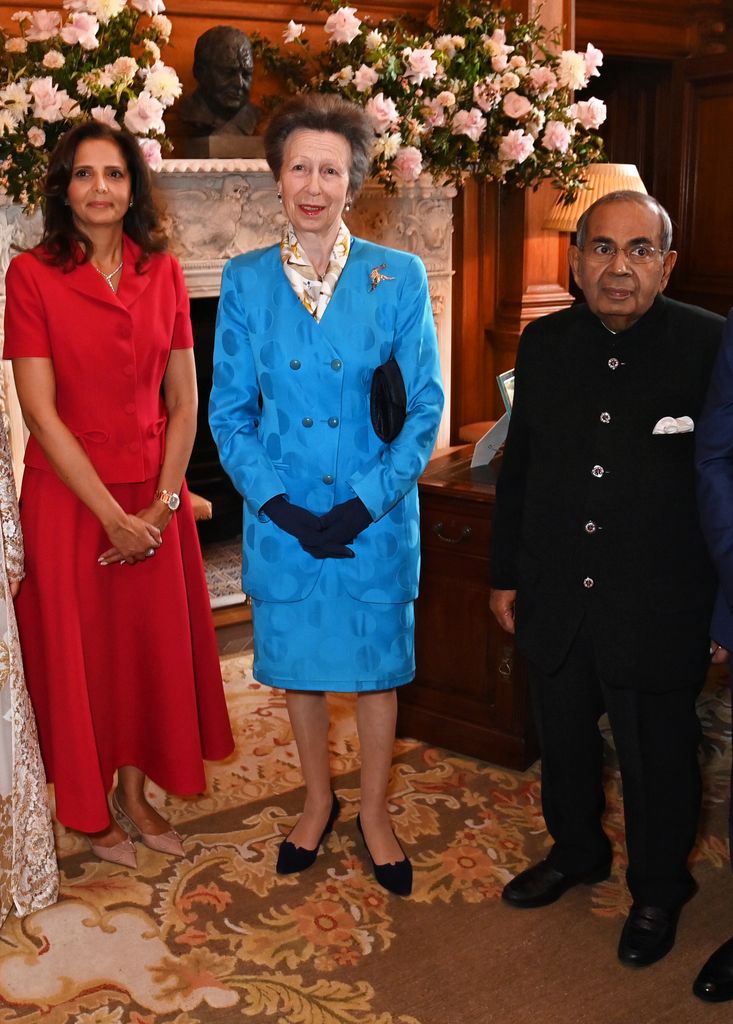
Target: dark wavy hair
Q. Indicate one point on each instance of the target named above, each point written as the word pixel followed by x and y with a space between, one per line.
pixel 61 237
pixel 322 112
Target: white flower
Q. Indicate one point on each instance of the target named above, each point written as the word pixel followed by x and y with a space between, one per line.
pixel 381 111
pixel 469 122
pixel 444 44
pixel 474 22
pixel 21 16
pixel 36 136
pixel 571 71
pixel 163 83
pixel 343 77
pixel 44 25
pixel 387 145
pixel 593 58
pixel 365 78
pixel 152 153
pixel 144 114
pixel 106 115
pixel 374 40
pixel 152 48
pixel 293 30
pixel 148 6
pixel 16 45
pixel 8 122
pixel 81 28
pixel 53 59
pixel 105 10
pixel 342 26
pixel 15 98
pixel 162 26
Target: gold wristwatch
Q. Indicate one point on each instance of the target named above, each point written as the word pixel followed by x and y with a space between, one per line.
pixel 169 498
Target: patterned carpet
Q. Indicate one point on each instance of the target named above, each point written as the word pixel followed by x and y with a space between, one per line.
pixel 219 937
pixel 223 567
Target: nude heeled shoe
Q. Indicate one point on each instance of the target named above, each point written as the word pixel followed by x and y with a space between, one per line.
pixel 121 853
pixel 166 842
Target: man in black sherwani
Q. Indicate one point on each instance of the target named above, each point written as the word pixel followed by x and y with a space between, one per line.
pixel 600 566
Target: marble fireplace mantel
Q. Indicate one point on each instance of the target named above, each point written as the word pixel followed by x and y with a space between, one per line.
pixel 216 208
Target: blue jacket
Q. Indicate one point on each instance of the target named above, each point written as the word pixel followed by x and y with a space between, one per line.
pixel 289 412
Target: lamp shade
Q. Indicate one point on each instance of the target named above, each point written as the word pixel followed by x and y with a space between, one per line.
pixel 602 179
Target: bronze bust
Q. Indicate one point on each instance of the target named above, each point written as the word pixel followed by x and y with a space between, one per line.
pixel 223 66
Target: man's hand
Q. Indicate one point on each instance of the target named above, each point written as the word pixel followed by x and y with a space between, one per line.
pixel 501 602
pixel 718 655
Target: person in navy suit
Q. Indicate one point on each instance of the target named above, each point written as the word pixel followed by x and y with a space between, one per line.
pixel 714 457
pixel 331 527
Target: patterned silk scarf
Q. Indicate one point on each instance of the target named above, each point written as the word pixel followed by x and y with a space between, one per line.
pixel 313 291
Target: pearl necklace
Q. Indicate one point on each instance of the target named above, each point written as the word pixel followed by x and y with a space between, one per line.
pixel 108 277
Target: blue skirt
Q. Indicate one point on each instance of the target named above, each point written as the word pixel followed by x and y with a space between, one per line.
pixel 331 641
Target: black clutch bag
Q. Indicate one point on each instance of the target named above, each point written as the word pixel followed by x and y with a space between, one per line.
pixel 388 400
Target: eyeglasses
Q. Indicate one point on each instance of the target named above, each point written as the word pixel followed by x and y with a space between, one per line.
pixel 604 252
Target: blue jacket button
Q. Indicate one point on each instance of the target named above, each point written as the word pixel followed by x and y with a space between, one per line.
pixel 295 364
pixel 328 479
pixel 336 364
pixel 333 421
pixel 307 421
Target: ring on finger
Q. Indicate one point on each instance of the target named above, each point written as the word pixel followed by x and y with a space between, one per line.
pixel 150 552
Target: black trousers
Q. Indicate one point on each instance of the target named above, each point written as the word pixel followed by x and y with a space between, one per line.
pixel 656 737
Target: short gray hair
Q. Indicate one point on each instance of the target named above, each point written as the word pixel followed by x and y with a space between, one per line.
pixel 627 196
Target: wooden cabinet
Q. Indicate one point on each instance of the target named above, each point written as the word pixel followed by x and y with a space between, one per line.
pixel 470 690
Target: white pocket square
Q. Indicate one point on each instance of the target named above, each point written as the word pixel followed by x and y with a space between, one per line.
pixel 672 425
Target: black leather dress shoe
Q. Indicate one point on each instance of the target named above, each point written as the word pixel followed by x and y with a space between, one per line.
pixel 647 935
pixel 292 858
pixel 395 877
pixel 542 884
pixel 714 983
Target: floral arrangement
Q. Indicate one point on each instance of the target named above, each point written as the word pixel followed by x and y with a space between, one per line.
pixel 483 92
pixel 102 62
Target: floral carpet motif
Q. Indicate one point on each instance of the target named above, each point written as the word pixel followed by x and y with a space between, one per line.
pixel 219 937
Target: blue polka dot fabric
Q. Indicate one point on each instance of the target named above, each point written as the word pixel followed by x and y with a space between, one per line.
pixel 289 411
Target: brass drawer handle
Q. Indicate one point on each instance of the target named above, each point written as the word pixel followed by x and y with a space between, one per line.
pixel 465 534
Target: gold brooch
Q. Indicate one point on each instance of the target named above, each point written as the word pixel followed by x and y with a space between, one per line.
pixel 376 276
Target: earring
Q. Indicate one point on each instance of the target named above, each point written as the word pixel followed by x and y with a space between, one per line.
pixel 131 203
pixel 279 197
pixel 347 205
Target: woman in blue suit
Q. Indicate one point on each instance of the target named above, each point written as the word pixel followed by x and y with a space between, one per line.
pixel 331 523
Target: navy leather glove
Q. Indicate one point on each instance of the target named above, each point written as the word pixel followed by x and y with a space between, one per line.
pixel 330 551
pixel 345 522
pixel 295 520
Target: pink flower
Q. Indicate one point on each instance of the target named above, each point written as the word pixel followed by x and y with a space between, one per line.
pixel 150 7
pixel 144 114
pixel 152 153
pixel 486 94
pixel 163 26
pixel 293 30
pixel 44 25
pixel 82 29
pixel 446 98
pixel 408 163
pixel 420 64
pixel 16 44
pixel 381 111
pixel 53 59
pixel 591 113
pixel 433 113
pixel 499 62
pixel 542 80
pixel 571 71
pixel 47 99
pixel 106 115
pixel 365 78
pixel 342 26
pixel 515 147
pixel 468 122
pixel 593 60
pixel 36 136
pixel 516 106
pixel 557 136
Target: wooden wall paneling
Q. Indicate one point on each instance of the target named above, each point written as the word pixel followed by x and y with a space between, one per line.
pixel 704 148
pixel 653 28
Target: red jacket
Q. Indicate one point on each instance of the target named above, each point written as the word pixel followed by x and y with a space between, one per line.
pixel 109 352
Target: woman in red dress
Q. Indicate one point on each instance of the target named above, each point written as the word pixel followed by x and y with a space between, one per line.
pixel 114 616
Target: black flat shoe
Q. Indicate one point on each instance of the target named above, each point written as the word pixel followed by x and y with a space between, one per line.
pixel 648 935
pixel 714 983
pixel 292 858
pixel 542 884
pixel 395 877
